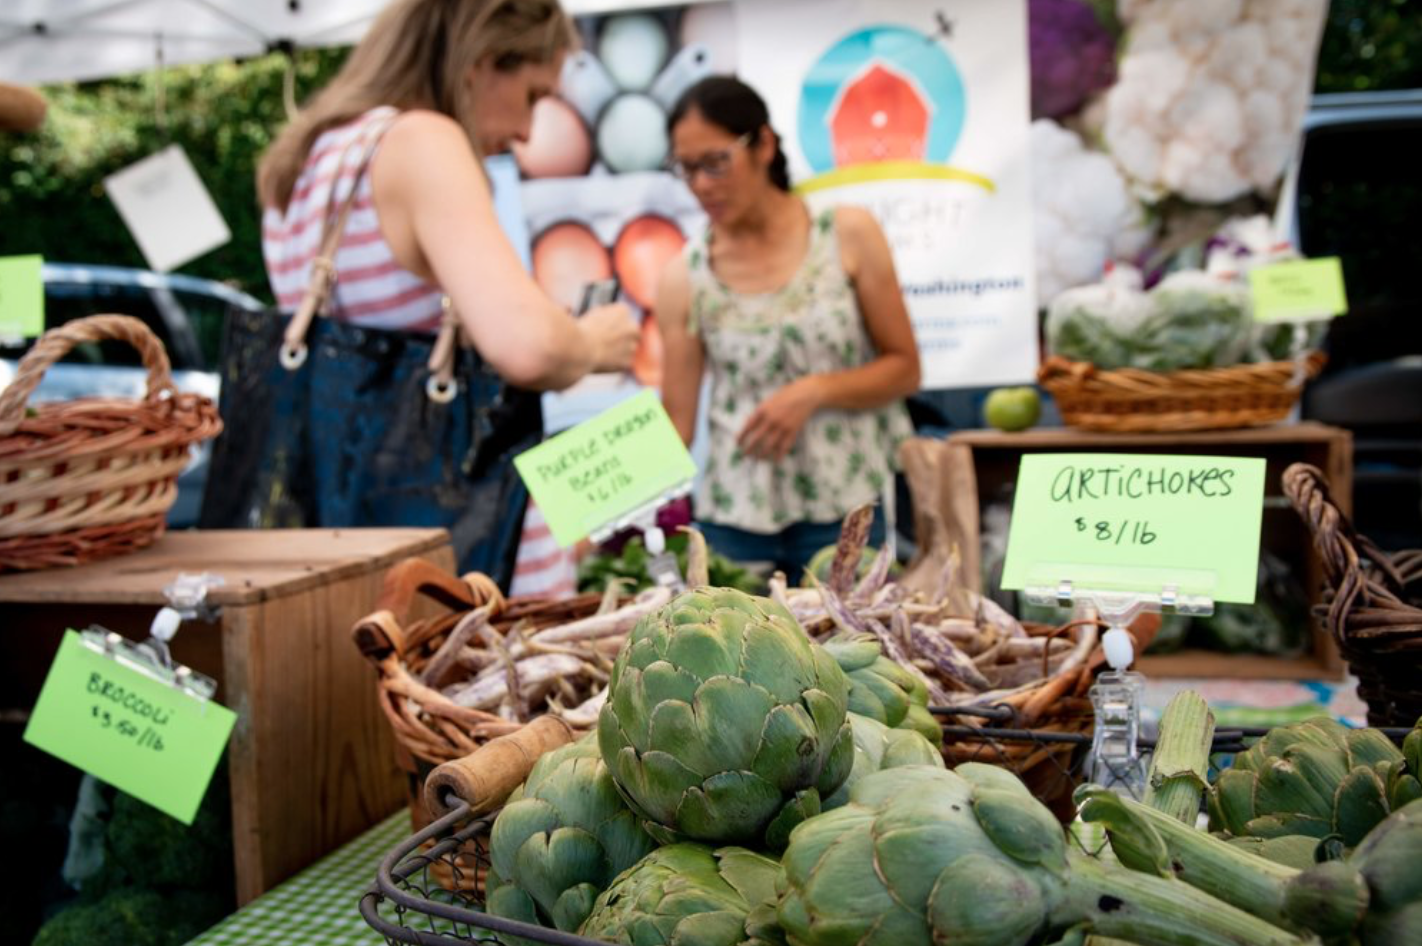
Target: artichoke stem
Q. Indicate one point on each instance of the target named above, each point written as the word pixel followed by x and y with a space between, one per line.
pixel 1179 768
pixel 1156 911
pixel 1244 880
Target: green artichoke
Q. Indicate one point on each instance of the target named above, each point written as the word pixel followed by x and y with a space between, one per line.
pixel 921 721
pixel 1374 897
pixel 882 690
pixel 1388 859
pixel 561 839
pixel 1298 851
pixel 1404 781
pixel 723 723
pixel 690 895
pixel 877 747
pixel 922 856
pixel 1315 778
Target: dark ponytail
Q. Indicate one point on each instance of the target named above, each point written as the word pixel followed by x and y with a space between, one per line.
pixel 729 103
pixel 780 167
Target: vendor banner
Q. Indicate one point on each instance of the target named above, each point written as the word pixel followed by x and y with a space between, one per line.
pixel 919 112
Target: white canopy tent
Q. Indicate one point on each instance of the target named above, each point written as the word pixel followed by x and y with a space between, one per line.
pixel 44 41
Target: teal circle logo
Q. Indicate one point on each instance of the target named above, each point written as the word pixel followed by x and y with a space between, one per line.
pixel 884 93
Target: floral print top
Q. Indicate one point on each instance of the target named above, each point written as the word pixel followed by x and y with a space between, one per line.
pixel 757 343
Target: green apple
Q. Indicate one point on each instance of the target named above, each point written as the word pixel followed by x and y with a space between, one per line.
pixel 1013 408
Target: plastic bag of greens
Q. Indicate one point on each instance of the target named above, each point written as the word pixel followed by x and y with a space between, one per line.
pixel 1097 323
pixel 1196 321
pixel 1273 341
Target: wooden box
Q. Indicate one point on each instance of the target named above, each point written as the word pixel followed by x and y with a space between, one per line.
pixel 986 461
pixel 311 760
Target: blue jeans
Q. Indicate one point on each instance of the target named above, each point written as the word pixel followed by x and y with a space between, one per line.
pixel 790 549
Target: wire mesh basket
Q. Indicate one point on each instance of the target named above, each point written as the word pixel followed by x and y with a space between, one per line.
pixel 429 891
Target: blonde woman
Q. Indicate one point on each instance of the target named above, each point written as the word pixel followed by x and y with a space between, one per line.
pixel 435 86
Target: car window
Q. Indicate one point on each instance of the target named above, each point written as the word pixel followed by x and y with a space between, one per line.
pixel 1359 198
pixel 207 315
pixel 64 302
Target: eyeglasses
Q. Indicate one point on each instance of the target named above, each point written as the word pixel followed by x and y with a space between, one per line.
pixel 714 165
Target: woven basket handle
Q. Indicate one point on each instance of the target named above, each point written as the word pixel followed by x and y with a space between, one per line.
pixel 383 631
pixel 1339 546
pixel 415 577
pixel 1307 490
pixel 58 342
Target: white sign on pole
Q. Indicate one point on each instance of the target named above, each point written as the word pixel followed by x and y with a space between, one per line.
pixel 167 209
pixel 919 112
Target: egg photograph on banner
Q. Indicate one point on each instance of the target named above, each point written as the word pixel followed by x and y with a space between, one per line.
pixel 598 199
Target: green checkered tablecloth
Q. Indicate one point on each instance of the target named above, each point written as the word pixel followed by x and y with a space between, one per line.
pixel 319 906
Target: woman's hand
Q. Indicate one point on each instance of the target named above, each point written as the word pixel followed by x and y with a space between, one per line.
pixel 774 426
pixel 612 336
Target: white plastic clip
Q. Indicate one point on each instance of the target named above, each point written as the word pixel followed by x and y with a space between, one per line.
pixel 187 600
pixel 1119 648
pixel 187 594
pixel 655 540
pixel 661 565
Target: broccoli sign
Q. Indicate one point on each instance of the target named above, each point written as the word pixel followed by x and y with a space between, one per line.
pixel 1132 523
pixel 152 740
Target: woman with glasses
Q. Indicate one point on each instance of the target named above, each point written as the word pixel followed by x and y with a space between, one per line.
pixel 798 319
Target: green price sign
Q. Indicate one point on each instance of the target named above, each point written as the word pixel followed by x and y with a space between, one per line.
pixel 147 738
pixel 21 296
pixel 1298 291
pixel 592 475
pixel 1137 523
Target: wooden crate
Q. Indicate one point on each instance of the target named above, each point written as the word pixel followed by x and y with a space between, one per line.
pixel 311 760
pixel 986 461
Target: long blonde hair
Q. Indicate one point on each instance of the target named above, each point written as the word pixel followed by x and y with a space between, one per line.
pixel 417 55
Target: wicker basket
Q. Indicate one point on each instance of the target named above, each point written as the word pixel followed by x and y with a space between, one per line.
pixel 86 479
pixel 1372 604
pixel 1128 400
pixel 429 727
pixel 1060 705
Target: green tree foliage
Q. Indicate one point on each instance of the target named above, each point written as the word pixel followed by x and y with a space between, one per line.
pixel 1370 45
pixel 52 197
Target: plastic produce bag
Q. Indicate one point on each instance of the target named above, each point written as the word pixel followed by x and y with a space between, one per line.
pixel 1096 323
pixel 1190 320
pixel 1195 321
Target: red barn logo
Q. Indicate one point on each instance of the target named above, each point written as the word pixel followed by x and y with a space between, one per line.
pixel 880 116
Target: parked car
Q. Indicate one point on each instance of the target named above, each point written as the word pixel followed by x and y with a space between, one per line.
pixel 187 314
pixel 1354 192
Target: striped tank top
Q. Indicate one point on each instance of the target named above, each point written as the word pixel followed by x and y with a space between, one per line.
pixel 372 290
